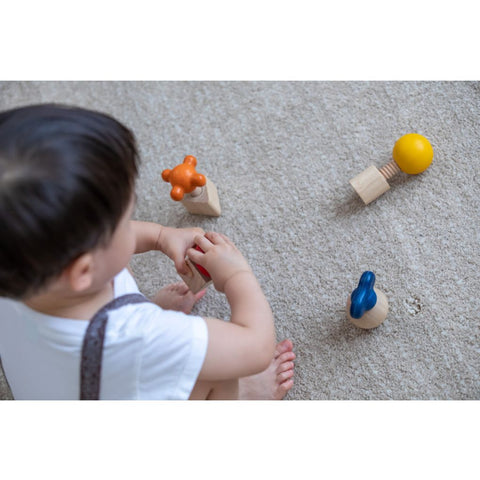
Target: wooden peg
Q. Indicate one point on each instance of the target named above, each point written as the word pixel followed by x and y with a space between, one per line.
pixel 197 281
pixel 367 307
pixel 200 278
pixel 411 154
pixel 370 184
pixel 196 192
pixel 203 200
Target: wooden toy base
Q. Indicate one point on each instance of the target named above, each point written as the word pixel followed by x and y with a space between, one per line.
pixel 203 200
pixel 370 184
pixel 374 317
pixel 198 281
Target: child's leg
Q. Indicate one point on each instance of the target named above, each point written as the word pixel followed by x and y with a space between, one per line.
pixel 271 384
pixel 227 390
pixel 274 382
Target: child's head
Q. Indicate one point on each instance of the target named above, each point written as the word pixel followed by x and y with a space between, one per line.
pixel 67 176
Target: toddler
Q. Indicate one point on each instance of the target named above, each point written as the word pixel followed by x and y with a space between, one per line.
pixel 67 194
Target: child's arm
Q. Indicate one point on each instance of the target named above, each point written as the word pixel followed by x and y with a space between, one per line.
pixel 173 242
pixel 245 345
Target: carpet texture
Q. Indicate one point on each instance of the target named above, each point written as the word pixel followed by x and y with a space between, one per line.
pixel 281 155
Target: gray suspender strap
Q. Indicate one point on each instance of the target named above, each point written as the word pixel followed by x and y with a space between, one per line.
pixel 92 349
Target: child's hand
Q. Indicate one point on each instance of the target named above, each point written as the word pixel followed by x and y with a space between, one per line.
pixel 174 242
pixel 221 259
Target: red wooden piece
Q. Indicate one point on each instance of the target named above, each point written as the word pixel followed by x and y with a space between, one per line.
pixel 199 267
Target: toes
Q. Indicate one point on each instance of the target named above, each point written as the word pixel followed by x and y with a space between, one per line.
pixel 282 389
pixel 285 357
pixel 199 295
pixel 190 299
pixel 286 386
pixel 283 347
pixel 180 287
pixel 281 377
pixel 283 367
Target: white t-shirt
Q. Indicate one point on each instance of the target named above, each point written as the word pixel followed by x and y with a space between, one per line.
pixel 149 353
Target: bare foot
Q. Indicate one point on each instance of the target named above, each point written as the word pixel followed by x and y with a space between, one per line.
pixel 177 296
pixel 274 382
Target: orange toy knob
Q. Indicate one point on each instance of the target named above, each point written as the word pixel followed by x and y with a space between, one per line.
pixel 184 178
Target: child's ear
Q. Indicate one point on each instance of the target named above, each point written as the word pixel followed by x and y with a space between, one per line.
pixel 79 274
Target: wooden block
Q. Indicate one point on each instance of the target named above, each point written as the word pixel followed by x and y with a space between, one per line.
pixel 198 281
pixel 370 184
pixel 374 317
pixel 203 200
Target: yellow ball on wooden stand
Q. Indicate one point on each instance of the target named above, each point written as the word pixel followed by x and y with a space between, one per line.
pixel 411 154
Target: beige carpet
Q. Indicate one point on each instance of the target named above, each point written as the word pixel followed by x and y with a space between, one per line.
pixel 281 155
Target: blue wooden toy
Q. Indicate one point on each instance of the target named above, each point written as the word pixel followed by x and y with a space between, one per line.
pixel 367 307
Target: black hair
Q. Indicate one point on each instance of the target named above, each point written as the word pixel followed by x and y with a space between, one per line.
pixel 67 175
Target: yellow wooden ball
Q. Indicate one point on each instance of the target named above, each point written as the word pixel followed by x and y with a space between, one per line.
pixel 413 153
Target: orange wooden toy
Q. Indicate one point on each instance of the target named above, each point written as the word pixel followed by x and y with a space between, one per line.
pixel 184 178
pixel 196 192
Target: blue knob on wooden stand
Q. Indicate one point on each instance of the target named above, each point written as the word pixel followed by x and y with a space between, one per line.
pixel 367 307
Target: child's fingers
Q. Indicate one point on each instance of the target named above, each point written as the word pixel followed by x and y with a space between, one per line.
pixel 222 238
pixel 226 239
pixel 181 266
pixel 203 242
pixel 194 255
pixel 216 238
